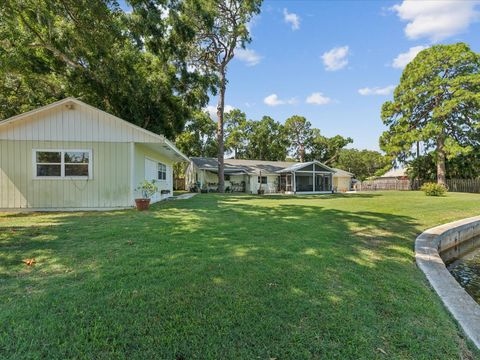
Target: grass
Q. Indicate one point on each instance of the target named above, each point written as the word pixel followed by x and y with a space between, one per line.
pixel 229 277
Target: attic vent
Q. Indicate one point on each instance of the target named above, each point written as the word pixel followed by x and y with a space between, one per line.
pixel 69 106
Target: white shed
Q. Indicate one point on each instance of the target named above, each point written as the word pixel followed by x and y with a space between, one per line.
pixel 70 155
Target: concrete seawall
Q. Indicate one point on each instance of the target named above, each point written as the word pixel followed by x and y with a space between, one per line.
pixel 446 239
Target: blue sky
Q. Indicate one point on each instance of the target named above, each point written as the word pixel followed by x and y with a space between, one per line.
pixel 334 61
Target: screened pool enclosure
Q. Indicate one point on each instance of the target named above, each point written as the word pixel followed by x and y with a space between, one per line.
pixel 306 178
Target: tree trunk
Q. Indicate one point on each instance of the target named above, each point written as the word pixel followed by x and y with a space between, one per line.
pixel 220 111
pixel 441 171
pixel 302 153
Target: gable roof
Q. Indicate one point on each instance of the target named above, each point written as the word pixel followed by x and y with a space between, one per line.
pixel 342 173
pixel 393 173
pixel 155 138
pixel 300 166
pixel 256 166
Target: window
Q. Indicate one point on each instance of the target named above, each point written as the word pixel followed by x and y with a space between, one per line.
pixel 262 179
pixel 162 171
pixel 62 163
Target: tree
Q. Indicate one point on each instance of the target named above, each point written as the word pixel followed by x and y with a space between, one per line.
pixel 462 166
pixel 324 149
pixel 436 103
pixel 266 140
pixel 235 128
pixel 363 163
pixel 218 28
pixel 299 132
pixel 198 138
pixel 89 49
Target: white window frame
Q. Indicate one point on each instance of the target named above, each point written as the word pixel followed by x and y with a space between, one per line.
pixel 259 180
pixel 158 170
pixel 62 164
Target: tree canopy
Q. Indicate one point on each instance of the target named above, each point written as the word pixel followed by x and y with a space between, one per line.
pixel 94 51
pixel 216 29
pixel 363 164
pixel 436 103
pixel 198 139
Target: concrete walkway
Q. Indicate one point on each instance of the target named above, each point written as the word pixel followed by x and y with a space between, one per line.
pixel 185 196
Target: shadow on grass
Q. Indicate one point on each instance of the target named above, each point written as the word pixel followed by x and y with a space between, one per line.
pixel 218 277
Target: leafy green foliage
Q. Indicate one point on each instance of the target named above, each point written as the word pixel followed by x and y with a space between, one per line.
pixel 363 163
pixel 266 140
pixel 324 149
pixel 91 50
pixel 436 103
pixel 299 132
pixel 216 28
pixel 433 189
pixel 235 132
pixel 199 137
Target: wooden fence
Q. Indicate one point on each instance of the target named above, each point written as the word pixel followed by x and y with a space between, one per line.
pixel 464 185
pixel 454 185
pixel 381 185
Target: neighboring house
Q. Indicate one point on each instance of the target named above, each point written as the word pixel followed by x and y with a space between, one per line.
pixel 70 155
pixel 271 176
pixel 394 174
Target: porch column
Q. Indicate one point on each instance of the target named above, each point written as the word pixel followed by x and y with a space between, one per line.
pixel 294 183
pixel 314 180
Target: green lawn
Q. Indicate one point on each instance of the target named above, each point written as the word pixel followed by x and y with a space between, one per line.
pixel 229 277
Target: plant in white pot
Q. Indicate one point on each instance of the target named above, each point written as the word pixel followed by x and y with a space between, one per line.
pixel 147 189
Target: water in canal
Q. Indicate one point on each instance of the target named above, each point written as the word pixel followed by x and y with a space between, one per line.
pixel 466 271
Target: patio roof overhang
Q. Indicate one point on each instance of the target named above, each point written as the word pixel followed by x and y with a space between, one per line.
pixel 300 166
pixel 226 171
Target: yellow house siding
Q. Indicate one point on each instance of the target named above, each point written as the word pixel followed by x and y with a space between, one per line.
pixel 109 187
pixel 341 183
pixel 81 123
pixel 142 152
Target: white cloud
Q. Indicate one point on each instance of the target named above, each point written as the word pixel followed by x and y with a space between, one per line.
pixel 249 56
pixel 336 58
pixel 383 91
pixel 403 59
pixel 274 100
pixel 317 98
pixel 212 110
pixel 292 19
pixel 436 20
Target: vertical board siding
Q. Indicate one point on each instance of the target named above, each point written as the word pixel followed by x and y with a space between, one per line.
pixel 82 123
pixel 82 127
pixel 141 152
pixel 109 187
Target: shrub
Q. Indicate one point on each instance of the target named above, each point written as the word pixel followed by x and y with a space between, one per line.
pixel 433 189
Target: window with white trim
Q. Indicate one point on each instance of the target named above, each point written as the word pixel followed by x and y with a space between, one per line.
pixel 63 164
pixel 162 171
pixel 262 179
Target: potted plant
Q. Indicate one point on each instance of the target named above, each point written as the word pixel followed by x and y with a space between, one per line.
pixel 147 189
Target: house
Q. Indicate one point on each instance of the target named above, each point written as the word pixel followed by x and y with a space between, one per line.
pixel 394 174
pixel 271 176
pixel 70 155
